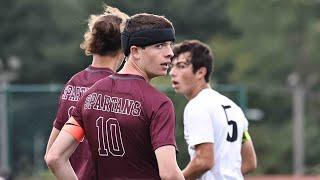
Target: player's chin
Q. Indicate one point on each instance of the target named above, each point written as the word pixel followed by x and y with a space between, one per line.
pixel 164 69
pixel 176 89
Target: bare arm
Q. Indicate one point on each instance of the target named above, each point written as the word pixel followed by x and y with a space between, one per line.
pixel 58 156
pixel 249 159
pixel 202 162
pixel 167 163
pixel 54 134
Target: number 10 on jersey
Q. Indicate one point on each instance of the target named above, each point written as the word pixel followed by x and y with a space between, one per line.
pixel 109 137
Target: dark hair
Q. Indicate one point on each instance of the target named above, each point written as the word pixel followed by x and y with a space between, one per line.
pixel 103 36
pixel 145 21
pixel 201 55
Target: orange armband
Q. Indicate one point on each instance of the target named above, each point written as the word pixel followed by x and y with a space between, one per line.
pixel 73 128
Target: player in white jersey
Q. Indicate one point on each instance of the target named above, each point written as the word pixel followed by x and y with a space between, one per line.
pixel 215 128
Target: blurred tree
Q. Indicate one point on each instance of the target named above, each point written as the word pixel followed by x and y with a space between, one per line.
pixel 258 43
pixel 45 35
pixel 43 41
pixel 277 38
pixel 192 19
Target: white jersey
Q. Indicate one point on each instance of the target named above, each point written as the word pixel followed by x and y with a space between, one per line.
pixel 213 118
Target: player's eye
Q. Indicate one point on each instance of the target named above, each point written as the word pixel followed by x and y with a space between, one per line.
pixel 181 66
pixel 160 45
pixel 171 45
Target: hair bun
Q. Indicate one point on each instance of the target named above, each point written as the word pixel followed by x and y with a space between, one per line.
pixel 103 36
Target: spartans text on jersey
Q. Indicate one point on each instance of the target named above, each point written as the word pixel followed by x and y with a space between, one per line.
pixel 101 102
pixel 73 93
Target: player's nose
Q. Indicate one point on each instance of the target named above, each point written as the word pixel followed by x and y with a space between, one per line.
pixel 169 51
pixel 172 72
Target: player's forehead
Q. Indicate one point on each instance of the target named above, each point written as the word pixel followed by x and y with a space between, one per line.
pixel 182 57
pixel 165 43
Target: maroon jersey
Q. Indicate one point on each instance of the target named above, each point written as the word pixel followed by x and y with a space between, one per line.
pixel 81 159
pixel 125 120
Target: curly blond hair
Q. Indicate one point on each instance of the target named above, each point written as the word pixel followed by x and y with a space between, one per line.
pixel 103 35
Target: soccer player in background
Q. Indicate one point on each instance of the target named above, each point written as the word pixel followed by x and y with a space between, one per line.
pixel 215 128
pixel 130 126
pixel 102 41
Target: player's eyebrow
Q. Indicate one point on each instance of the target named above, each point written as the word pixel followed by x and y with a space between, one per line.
pixel 181 62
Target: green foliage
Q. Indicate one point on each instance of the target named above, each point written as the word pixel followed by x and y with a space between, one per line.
pixel 277 38
pixel 42 42
pixel 255 43
pixel 45 35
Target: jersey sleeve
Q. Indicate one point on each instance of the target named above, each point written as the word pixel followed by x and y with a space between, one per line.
pixel 62 113
pixel 77 111
pixel 73 128
pixel 163 125
pixel 74 124
pixel 246 123
pixel 199 125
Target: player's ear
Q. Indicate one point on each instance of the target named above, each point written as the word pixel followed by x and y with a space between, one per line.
pixel 134 51
pixel 201 72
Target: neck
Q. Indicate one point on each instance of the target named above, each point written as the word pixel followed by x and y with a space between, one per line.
pixel 130 67
pixel 111 62
pixel 196 90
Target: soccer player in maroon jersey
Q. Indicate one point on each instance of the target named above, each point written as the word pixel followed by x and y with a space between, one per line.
pixel 103 41
pixel 130 126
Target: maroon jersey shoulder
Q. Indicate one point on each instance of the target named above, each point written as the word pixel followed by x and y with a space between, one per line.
pixel 73 90
pixel 125 119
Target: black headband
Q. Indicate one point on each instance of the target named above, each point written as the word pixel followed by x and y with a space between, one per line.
pixel 145 38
